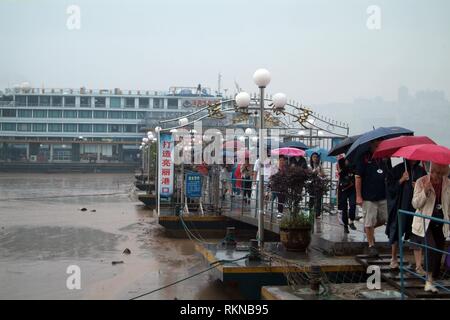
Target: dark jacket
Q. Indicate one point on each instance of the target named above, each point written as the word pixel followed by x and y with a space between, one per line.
pixel 399 196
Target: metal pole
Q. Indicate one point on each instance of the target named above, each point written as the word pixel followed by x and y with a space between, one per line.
pixel 400 245
pixel 148 163
pixel 143 159
pixel 262 157
pixel 182 189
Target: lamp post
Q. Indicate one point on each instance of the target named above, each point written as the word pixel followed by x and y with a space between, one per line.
pixel 261 77
pixel 150 140
pixel 158 159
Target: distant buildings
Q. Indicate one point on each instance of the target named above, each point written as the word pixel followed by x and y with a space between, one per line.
pixel 82 125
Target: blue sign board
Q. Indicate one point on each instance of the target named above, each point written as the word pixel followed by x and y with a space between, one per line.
pixel 193 185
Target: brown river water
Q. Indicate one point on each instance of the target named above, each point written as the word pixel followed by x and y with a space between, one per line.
pixel 43 231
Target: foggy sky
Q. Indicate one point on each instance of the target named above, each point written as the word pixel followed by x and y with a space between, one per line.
pixel 318 51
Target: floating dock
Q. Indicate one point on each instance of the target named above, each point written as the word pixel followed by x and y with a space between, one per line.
pixel 338 291
pixel 328 236
pixel 209 226
pixel 250 276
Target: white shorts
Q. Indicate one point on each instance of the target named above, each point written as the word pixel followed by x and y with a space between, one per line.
pixel 374 212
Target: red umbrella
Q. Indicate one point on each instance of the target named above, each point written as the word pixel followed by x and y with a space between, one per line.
pixel 386 148
pixel 425 152
pixel 289 152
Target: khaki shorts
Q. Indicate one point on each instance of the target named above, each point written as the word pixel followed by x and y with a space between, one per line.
pixel 374 212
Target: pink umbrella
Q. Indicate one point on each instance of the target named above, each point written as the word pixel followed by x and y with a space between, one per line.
pixel 288 152
pixel 425 152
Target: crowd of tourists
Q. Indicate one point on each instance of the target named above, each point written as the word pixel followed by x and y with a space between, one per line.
pixel 368 179
pixel 381 190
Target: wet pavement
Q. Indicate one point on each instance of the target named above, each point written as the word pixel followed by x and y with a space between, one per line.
pixel 43 232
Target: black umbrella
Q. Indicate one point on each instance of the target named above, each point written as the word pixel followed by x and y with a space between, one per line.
pixel 379 133
pixel 294 144
pixel 343 146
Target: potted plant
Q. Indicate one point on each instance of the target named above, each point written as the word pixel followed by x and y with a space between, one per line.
pixel 296 226
pixel 316 187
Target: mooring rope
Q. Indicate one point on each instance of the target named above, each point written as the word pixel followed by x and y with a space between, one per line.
pixel 213 265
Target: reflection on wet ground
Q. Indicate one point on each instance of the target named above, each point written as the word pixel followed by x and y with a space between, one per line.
pixel 43 231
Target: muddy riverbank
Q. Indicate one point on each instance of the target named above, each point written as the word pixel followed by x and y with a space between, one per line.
pixel 43 231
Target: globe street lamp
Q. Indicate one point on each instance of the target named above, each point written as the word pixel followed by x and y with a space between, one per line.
pixel 242 99
pixel 183 122
pixel 262 78
pixel 279 101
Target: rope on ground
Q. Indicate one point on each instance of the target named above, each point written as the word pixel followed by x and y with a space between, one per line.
pixel 173 283
pixel 212 266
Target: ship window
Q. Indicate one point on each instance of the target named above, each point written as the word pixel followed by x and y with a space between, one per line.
pixel 100 114
pixel 158 103
pixel 55 113
pixel 23 113
pixel 9 113
pixel 44 101
pixel 70 127
pixel 100 127
pixel 33 101
pixel 115 115
pixel 39 127
pixel 85 101
pixel 114 128
pixel 85 127
pixel 172 103
pixel 86 114
pixel 9 127
pixel 70 113
pixel 99 102
pixel 40 113
pixel 141 115
pixel 24 127
pixel 69 101
pixel 114 102
pixel 130 128
pixel 144 102
pixel 62 152
pixel 56 101
pixel 129 102
pixel 129 115
pixel 54 127
pixel 21 101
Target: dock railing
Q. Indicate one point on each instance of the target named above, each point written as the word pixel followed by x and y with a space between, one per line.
pixel 233 200
pixel 401 216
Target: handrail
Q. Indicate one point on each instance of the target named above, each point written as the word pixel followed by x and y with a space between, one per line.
pixel 400 216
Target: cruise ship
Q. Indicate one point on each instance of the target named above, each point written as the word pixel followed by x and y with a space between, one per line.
pixel 86 128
